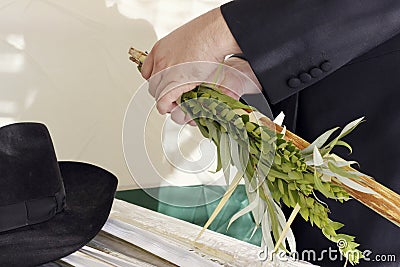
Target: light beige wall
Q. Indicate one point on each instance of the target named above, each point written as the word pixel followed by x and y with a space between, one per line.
pixel 64 63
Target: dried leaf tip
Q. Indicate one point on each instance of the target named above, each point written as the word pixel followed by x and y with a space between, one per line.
pixel 137 56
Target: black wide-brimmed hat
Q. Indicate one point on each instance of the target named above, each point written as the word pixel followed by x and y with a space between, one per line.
pixel 48 209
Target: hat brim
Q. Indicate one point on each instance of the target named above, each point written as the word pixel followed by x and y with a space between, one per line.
pixel 89 195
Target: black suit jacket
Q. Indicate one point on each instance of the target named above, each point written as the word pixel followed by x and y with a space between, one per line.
pixel 326 63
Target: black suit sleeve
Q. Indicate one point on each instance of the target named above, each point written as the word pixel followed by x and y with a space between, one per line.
pixel 291 44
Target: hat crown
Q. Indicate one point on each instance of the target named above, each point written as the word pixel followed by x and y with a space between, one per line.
pixel 28 165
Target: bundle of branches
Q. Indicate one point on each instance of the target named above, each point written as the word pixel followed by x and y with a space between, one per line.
pixel 280 168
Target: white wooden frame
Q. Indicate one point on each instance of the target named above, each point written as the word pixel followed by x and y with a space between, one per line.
pixel 174 240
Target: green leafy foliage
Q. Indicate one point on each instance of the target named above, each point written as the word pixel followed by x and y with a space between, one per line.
pixel 274 168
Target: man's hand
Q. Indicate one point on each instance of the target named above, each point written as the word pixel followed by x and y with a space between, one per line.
pixel 234 78
pixel 206 38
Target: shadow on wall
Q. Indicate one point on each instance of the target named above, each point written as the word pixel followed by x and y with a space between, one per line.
pixel 65 63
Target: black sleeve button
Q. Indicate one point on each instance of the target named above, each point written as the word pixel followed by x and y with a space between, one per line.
pixel 305 77
pixel 326 66
pixel 294 82
pixel 316 72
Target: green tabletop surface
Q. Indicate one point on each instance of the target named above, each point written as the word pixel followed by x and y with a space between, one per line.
pixel 241 229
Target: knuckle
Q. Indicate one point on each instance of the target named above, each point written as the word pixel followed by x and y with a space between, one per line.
pixel 160 64
pixel 162 108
